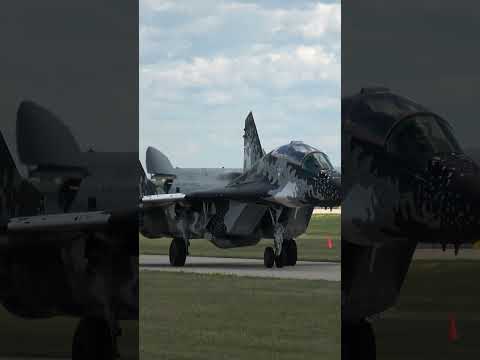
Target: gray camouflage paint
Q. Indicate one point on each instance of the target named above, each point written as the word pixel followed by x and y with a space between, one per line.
pixel 273 198
pixel 252 149
pixel 88 273
pixel 391 205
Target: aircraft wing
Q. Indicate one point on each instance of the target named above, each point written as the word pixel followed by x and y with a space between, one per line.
pixel 61 222
pixel 160 200
pixel 245 192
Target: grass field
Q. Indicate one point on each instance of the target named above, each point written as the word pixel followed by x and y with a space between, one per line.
pixel 190 316
pixel 417 328
pixel 52 337
pixel 311 246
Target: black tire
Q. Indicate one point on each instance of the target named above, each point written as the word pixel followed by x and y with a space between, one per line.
pixel 358 341
pixel 281 260
pixel 268 257
pixel 278 261
pixel 292 253
pixel 178 252
pixel 93 340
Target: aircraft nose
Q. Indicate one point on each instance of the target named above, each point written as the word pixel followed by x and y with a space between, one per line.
pixel 468 187
pixel 337 181
pixel 328 190
pixel 337 185
pixel 457 178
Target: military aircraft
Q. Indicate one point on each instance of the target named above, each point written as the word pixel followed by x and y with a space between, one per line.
pixel 406 180
pixel 69 232
pixel 273 198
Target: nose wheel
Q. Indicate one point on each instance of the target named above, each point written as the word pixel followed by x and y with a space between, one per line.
pixel 269 257
pixel 287 257
pixel 291 252
pixel 178 252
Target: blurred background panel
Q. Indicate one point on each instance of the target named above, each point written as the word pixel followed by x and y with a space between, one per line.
pixel 78 61
pixel 426 52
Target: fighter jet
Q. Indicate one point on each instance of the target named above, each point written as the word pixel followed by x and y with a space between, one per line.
pixel 273 198
pixel 406 180
pixel 69 232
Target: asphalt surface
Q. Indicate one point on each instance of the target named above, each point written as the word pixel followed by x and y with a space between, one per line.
pixel 307 270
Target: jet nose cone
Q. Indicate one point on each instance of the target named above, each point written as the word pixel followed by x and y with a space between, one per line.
pixel 455 186
pixel 326 189
pixel 336 181
pixel 467 187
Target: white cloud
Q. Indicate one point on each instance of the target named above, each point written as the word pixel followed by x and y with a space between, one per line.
pixel 217 98
pixel 280 69
pixel 214 18
pixel 204 65
pixel 159 5
pixel 323 19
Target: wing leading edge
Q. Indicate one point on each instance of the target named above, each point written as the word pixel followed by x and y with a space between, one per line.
pixel 60 222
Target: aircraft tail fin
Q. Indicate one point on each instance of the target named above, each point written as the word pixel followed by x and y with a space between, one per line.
pixel 252 148
pixel 43 139
pixel 17 197
pixel 157 162
pixel 161 169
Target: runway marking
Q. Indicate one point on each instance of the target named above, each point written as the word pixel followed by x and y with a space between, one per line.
pixel 305 270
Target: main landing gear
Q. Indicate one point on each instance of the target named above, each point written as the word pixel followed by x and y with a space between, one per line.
pixel 287 256
pixel 178 252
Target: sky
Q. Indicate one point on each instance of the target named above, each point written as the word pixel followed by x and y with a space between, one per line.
pixel 205 65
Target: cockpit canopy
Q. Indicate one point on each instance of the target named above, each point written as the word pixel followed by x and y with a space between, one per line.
pixel 310 158
pixel 419 137
pixel 397 124
pixel 372 113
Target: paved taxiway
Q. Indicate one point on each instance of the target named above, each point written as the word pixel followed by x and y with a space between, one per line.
pixel 307 270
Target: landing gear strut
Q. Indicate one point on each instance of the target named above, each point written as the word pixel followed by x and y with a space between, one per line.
pixel 178 252
pixel 358 341
pixel 93 340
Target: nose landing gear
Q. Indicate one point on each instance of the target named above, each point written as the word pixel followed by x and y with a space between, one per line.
pixel 287 256
pixel 268 257
pixel 178 252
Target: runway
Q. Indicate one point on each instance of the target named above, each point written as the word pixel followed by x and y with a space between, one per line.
pixel 305 270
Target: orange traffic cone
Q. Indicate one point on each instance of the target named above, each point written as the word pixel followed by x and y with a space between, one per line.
pixel 330 243
pixel 452 328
